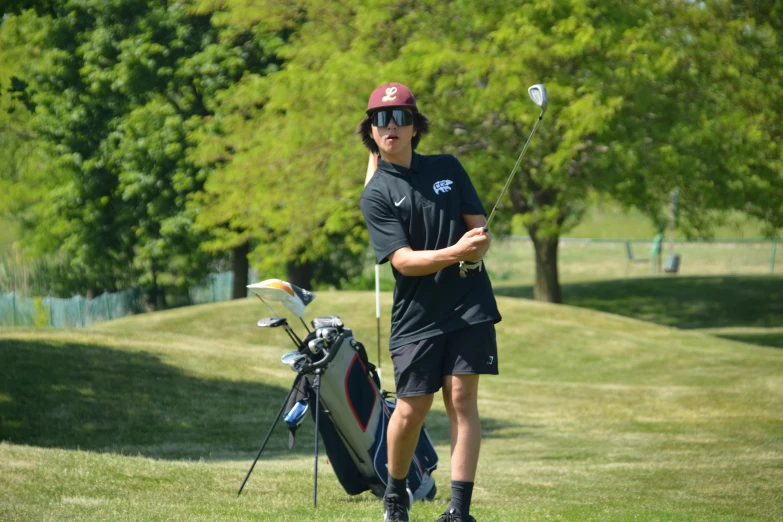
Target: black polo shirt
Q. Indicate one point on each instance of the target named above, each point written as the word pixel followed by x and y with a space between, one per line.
pixel 422 208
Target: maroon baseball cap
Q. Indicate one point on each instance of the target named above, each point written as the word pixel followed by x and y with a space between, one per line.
pixel 391 95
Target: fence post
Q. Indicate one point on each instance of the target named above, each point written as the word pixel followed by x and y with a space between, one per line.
pixel 212 282
pixel 81 310
pixel 13 308
pixel 772 258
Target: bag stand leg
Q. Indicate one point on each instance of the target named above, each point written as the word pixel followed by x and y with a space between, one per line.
pixel 263 445
pixel 317 388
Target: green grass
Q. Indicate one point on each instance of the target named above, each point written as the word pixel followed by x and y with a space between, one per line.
pixel 612 222
pixel 595 417
pixel 682 302
pixel 511 262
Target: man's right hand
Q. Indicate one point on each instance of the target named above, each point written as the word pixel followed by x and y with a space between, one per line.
pixel 472 245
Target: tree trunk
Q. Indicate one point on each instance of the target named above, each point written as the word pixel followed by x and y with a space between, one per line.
pixel 547 282
pixel 300 275
pixel 240 267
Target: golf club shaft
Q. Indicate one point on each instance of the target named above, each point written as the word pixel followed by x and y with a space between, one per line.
pixel 305 325
pixel 513 171
pixel 291 334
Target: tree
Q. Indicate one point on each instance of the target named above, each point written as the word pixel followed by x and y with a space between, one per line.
pixel 638 107
pixel 119 88
pixel 280 182
pixel 631 102
pixel 143 105
pixel 22 156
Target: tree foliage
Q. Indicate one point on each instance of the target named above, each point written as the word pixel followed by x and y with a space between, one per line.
pixel 645 97
pixel 175 132
pixel 119 87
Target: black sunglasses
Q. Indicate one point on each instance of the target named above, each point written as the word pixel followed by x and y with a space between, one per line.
pixel 383 117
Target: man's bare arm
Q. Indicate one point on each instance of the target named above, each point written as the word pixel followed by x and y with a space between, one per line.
pixel 372 166
pixel 412 263
pixel 474 220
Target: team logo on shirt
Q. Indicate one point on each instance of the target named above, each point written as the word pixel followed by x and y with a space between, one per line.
pixel 442 186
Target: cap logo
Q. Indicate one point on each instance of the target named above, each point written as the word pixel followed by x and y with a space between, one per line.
pixel 391 94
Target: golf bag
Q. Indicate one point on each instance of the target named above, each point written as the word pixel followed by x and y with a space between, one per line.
pixel 341 389
pixel 354 416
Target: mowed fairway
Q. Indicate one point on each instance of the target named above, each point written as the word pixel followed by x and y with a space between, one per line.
pixel 594 417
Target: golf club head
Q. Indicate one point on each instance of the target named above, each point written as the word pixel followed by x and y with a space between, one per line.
pixel 294 359
pixel 316 345
pixel 295 299
pixel 538 94
pixel 327 334
pixel 271 322
pixel 329 321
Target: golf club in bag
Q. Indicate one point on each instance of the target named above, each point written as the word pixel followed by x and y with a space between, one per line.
pixel 340 388
pixel 539 96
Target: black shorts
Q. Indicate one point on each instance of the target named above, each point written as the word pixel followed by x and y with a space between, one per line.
pixel 419 367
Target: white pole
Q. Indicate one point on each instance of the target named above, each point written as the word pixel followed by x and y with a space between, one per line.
pixel 378 312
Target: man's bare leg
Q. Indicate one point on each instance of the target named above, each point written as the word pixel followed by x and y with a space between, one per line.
pixel 460 396
pixel 403 433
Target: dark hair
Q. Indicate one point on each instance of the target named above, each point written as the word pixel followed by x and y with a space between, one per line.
pixel 420 123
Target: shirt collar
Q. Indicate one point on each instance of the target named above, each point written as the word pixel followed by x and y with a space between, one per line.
pixel 393 168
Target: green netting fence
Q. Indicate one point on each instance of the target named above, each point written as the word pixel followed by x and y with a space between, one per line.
pixel 70 312
pixel 214 288
pixel 78 311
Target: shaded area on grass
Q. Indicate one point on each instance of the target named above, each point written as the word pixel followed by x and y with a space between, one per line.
pixel 773 339
pixel 92 397
pixel 681 302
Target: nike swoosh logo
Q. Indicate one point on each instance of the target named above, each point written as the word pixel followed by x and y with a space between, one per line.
pixel 398 203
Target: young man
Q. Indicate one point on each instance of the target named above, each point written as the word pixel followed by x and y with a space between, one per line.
pixel 424 216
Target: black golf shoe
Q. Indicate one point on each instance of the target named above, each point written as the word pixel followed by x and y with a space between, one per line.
pixel 396 508
pixel 453 515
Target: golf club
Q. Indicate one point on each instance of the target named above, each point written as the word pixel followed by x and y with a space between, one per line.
pixel 316 345
pixel 329 321
pixel 284 323
pixel 539 96
pixel 271 322
pixel 327 334
pixel 294 359
pixel 295 299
